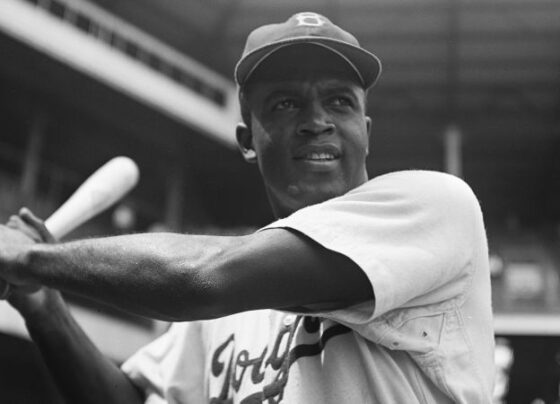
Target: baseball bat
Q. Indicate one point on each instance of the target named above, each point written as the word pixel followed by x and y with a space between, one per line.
pixel 104 187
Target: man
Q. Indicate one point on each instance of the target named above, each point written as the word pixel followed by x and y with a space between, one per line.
pixel 363 291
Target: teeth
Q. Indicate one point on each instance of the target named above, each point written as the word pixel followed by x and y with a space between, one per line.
pixel 319 156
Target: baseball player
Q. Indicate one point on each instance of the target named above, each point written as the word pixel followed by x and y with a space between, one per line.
pixel 363 291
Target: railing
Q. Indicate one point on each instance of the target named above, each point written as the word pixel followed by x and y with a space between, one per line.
pixel 143 48
pixel 95 42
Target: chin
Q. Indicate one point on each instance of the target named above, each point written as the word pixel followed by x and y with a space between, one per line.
pixel 317 193
pixel 295 196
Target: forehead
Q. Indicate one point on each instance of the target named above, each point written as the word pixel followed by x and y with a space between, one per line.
pixel 304 63
pixel 320 85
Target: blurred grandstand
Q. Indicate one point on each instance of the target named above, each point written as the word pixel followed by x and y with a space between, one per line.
pixel 469 87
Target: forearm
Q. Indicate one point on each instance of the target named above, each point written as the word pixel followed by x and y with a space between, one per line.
pixel 80 371
pixel 187 277
pixel 161 276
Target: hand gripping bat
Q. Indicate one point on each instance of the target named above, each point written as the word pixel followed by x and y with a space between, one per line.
pixel 100 190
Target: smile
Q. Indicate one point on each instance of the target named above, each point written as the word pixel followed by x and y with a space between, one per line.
pixel 317 153
pixel 319 157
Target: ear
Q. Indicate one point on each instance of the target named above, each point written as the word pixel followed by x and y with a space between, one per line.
pixel 245 143
pixel 368 129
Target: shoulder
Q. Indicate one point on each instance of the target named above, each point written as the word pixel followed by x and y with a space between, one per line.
pixel 429 186
pixel 419 199
pixel 425 180
pixel 422 197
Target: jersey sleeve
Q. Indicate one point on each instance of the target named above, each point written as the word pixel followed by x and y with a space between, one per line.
pixel 410 232
pixel 171 368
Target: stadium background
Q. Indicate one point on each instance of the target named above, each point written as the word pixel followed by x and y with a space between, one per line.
pixel 469 87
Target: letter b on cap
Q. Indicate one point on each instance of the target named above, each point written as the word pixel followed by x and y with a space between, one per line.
pixel 309 19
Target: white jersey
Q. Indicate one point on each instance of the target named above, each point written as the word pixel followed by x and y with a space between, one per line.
pixel 419 237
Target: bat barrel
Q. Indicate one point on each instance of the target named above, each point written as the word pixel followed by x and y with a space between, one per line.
pixel 102 189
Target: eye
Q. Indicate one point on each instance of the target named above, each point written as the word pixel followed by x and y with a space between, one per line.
pixel 284 104
pixel 341 101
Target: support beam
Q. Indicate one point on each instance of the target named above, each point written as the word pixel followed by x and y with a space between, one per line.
pixel 452 69
pixel 32 158
pixel 453 151
pixel 184 209
pixel 174 198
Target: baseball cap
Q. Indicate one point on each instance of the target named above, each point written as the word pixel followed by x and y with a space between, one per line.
pixel 306 28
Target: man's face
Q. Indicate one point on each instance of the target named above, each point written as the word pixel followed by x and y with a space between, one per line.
pixel 308 128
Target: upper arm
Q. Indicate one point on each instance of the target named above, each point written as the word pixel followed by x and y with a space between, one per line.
pixel 280 268
pixel 400 238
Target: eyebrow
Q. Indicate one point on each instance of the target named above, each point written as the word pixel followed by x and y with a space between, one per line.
pixel 279 93
pixel 287 88
pixel 348 91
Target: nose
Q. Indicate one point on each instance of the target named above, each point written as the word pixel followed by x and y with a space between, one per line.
pixel 314 120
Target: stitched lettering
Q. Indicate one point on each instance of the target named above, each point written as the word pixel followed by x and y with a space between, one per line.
pixel 234 368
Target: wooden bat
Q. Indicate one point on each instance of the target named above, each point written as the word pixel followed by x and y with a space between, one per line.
pixel 103 188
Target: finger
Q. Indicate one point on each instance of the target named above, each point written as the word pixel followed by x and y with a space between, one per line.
pixel 30 219
pixel 26 214
pixel 16 223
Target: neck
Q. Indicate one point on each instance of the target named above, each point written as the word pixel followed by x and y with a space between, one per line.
pixel 286 205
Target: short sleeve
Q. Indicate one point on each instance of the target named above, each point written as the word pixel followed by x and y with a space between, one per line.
pixel 410 232
pixel 171 368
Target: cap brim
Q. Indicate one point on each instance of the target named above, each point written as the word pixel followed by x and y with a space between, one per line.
pixel 365 63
